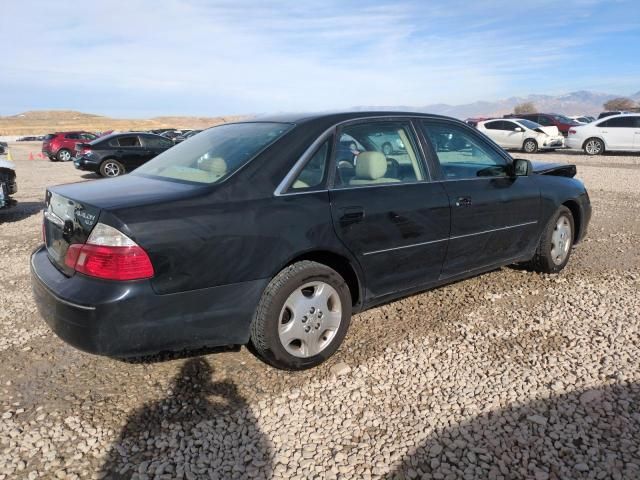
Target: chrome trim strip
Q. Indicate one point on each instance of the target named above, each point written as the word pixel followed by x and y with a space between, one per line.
pixel 405 246
pixel 61 300
pixel 450 238
pixel 493 230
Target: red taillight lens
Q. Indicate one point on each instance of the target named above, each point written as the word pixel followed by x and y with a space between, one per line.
pixel 111 263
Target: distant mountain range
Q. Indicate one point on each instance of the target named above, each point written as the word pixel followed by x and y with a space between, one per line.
pixel 575 103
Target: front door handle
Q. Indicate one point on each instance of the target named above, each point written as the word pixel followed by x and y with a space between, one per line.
pixel 349 215
pixel 463 202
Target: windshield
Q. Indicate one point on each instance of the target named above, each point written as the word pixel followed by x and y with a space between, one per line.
pixel 216 153
pixel 529 124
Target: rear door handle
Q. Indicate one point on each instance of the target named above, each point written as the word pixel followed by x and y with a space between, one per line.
pixel 349 215
pixel 463 202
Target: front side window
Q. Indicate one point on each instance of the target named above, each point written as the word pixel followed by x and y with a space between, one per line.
pixel 72 136
pixel 87 136
pixel 216 153
pixel 314 172
pixel 463 155
pixel 510 126
pixel 157 142
pixel 377 153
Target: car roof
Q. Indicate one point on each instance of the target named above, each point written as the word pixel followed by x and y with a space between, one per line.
pixel 339 116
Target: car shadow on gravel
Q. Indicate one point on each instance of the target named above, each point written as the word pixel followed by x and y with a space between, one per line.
pixel 201 429
pixel 584 434
pixel 20 211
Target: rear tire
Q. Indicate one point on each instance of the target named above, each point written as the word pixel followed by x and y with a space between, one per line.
pixel 111 168
pixel 593 146
pixel 302 317
pixel 555 244
pixel 530 145
pixel 63 155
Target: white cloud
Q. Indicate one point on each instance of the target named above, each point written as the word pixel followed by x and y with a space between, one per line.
pixel 284 55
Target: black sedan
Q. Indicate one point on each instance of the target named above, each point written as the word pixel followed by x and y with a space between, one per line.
pixel 116 154
pixel 261 233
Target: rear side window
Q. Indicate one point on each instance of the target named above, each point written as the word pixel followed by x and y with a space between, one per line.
pixel 129 141
pixel 463 155
pixel 313 174
pixel 216 153
pixel 497 125
pixel 619 122
pixel 545 121
pixel 385 152
pixel 87 136
pixel 50 136
pixel 72 136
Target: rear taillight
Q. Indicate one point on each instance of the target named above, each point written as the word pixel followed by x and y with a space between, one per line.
pixel 109 254
pixel 572 131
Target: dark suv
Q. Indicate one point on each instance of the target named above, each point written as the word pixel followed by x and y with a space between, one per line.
pixel 62 145
pixel 118 153
pixel 549 120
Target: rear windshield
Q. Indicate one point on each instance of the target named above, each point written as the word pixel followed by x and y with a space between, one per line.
pixel 214 154
pixel 50 136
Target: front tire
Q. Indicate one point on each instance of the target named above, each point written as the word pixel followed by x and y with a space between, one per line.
pixel 302 317
pixel 555 244
pixel 530 146
pixel 111 168
pixel 593 146
pixel 63 155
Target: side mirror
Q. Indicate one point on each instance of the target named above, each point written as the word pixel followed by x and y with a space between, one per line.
pixel 522 167
pixel 518 129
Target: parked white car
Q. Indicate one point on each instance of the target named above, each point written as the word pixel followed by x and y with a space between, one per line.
pixel 615 133
pixel 521 134
pixel 583 119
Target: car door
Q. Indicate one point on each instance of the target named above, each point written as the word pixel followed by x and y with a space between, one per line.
pixel 636 133
pixel 387 212
pixel 513 133
pixel 496 131
pixel 130 151
pixel 154 145
pixel 494 215
pixel 618 132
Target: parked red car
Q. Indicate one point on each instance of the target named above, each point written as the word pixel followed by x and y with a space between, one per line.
pixel 549 120
pixel 62 145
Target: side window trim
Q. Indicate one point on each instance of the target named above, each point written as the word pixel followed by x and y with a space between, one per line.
pixel 472 132
pixel 284 186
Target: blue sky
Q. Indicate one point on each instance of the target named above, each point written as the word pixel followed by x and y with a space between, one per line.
pixel 198 57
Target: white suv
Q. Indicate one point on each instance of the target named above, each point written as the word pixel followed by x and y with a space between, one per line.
pixel 615 133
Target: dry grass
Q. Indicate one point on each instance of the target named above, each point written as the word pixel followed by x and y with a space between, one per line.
pixel 47 121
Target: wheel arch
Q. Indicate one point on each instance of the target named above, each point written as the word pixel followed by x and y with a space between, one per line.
pixel 526 139
pixel 606 147
pixel 340 264
pixel 576 212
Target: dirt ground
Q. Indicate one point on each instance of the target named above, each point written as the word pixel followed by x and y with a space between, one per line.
pixel 534 338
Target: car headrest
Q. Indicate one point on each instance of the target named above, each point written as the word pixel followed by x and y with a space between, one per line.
pixel 371 165
pixel 216 165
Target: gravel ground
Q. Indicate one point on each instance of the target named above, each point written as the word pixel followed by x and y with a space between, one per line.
pixel 507 375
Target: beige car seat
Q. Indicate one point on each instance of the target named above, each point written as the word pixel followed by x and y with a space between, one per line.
pixel 216 167
pixel 371 168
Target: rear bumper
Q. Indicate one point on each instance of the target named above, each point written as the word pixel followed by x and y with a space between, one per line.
pixel 82 163
pixel 573 143
pixel 124 319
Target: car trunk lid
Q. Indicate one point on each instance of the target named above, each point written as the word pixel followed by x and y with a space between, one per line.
pixel 66 221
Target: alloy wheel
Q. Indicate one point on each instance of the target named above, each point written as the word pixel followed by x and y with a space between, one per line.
pixel 64 155
pixel 310 319
pixel 112 169
pixel 593 147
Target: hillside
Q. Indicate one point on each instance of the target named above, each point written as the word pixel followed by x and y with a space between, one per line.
pixel 46 121
pixel 573 103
